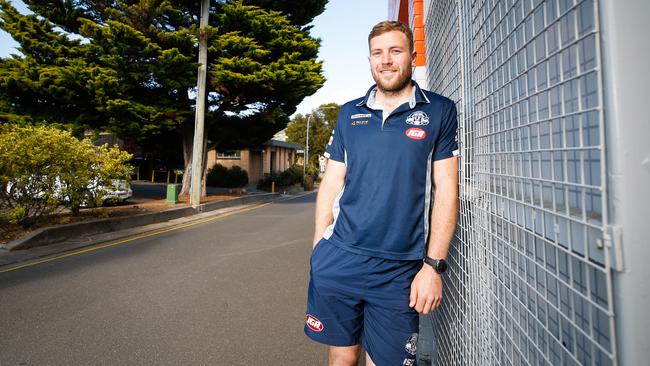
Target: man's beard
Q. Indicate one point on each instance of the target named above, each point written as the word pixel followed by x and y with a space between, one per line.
pixel 396 86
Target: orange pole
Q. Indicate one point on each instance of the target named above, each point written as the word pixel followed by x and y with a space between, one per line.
pixel 153 176
pixel 168 176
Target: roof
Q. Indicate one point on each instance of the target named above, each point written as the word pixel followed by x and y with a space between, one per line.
pixel 285 144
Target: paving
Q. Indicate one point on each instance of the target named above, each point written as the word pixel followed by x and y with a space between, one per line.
pixel 47 236
pixel 225 289
pixel 11 259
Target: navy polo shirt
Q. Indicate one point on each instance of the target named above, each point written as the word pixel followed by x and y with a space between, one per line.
pixel 383 209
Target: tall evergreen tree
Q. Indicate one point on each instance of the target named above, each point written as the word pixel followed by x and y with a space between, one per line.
pixel 129 67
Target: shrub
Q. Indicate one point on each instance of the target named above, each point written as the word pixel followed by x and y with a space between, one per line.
pixel 238 176
pixel 287 178
pixel 220 176
pixel 43 167
pixel 217 176
pixel 265 183
pixel 290 176
pixel 85 181
pixel 309 183
pixel 310 177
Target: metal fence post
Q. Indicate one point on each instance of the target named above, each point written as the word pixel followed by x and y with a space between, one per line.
pixel 626 28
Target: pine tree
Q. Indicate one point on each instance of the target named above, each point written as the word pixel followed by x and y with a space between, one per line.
pixel 130 67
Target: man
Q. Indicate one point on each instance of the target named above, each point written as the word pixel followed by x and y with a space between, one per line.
pixel 389 150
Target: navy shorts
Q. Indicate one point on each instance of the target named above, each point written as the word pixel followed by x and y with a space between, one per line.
pixel 355 298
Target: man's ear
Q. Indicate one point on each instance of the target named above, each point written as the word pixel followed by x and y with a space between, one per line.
pixel 413 55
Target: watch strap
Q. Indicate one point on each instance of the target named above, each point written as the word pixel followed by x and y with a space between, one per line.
pixel 436 264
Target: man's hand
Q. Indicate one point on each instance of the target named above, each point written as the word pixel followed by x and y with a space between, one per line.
pixel 426 290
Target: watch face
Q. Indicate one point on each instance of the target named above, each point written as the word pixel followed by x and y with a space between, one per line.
pixel 442 266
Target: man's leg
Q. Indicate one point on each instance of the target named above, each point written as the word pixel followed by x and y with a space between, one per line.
pixel 344 356
pixel 390 329
pixel 390 336
pixel 369 361
pixel 334 310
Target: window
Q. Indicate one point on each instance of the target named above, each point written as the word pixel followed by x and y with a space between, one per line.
pixel 229 154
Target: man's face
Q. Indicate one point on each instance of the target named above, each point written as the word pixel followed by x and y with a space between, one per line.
pixel 391 62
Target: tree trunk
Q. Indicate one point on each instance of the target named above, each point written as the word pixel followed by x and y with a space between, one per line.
pixel 188 142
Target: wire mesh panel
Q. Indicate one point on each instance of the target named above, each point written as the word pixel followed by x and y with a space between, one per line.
pixel 460 327
pixel 531 279
pixel 445 76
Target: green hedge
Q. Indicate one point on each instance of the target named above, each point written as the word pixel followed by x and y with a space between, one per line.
pixel 220 176
pixel 287 178
pixel 42 168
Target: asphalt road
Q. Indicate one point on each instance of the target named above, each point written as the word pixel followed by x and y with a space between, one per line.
pixel 227 292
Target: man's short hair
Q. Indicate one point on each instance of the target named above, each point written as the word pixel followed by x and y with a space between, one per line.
pixel 389 26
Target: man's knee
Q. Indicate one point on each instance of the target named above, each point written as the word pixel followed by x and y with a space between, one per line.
pixel 344 356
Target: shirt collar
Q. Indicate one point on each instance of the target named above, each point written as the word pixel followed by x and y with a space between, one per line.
pixel 417 96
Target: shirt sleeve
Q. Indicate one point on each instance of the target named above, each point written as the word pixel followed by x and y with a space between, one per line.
pixel 335 148
pixel 447 142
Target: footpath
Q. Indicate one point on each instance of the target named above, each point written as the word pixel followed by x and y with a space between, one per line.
pixel 47 243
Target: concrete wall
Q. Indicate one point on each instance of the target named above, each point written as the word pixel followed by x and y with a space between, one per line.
pixel 243 162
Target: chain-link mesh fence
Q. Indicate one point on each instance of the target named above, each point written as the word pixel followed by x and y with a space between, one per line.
pixel 531 279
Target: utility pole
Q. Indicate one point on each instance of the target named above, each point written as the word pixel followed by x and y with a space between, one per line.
pixel 199 120
pixel 306 154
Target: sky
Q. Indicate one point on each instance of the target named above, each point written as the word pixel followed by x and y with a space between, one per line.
pixel 7 44
pixel 343 29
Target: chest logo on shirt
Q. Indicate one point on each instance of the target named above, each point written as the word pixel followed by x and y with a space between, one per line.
pixel 418 118
pixel 416 133
pixel 361 115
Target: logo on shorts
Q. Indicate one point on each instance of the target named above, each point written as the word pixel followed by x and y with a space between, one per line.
pixel 412 344
pixel 416 133
pixel 409 362
pixel 313 323
pixel 418 118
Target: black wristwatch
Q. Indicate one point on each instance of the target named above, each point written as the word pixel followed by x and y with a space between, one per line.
pixel 439 265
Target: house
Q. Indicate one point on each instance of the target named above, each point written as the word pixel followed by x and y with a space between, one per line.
pixel 274 156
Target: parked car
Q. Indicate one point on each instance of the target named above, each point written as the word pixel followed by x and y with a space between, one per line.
pixel 118 192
